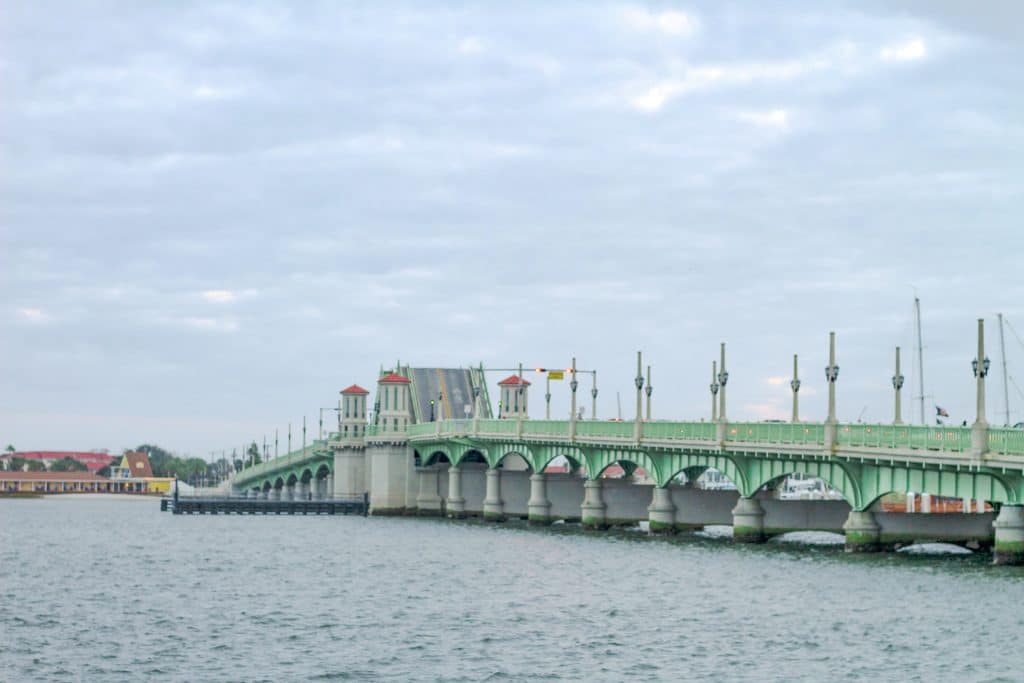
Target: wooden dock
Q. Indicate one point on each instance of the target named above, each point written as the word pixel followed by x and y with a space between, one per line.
pixel 225 505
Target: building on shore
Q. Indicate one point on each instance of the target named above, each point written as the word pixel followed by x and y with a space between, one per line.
pixel 54 482
pixel 135 475
pixel 94 461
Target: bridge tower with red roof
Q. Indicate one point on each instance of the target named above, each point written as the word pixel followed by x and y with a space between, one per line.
pixel 514 391
pixel 389 465
pixel 350 470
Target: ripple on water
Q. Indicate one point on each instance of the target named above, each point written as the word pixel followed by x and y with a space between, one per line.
pixel 236 598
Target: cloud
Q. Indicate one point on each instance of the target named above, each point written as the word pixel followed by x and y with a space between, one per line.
pixel 772 118
pixel 226 296
pixel 668 22
pixel 777 381
pixel 471 45
pixel 33 315
pixel 219 296
pixel 908 51
pixel 698 78
pixel 210 324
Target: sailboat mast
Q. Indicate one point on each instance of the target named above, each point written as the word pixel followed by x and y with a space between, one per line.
pixel 920 358
pixel 1006 389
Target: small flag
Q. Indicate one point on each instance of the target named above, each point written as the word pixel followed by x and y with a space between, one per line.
pixel 941 412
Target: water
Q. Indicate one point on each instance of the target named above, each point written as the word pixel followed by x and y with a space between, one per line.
pixel 114 590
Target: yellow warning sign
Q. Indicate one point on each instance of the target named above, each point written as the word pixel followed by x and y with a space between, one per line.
pixel 556 374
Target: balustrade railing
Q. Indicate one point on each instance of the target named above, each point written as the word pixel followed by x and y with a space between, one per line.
pixel 687 431
pixel 1006 441
pixel 953 439
pixel 776 432
pixel 939 438
pixel 598 428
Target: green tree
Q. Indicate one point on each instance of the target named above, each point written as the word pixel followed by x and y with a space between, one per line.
pixel 68 464
pixel 160 460
pixel 21 464
pixel 254 455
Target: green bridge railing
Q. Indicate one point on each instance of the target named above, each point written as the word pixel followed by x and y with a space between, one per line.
pixel 953 439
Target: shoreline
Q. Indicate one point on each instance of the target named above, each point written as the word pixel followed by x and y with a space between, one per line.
pixel 148 497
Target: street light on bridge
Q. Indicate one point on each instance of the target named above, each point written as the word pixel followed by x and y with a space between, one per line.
pixel 897 385
pixel 794 384
pixel 714 391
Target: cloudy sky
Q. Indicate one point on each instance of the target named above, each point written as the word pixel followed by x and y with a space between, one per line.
pixel 213 216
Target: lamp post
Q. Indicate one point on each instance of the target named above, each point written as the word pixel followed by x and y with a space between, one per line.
pixel 573 385
pixel 723 379
pixel 980 366
pixel 648 390
pixel 897 385
pixel 547 396
pixel 593 396
pixel 639 382
pixel 714 391
pixel 831 374
pixel 794 384
pixel 432 418
pixel 476 408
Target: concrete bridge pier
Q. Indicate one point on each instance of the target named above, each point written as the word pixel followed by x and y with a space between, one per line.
pixel 303 489
pixel 494 506
pixel 1009 541
pixel 316 489
pixel 456 502
pixel 661 513
pixel 428 502
pixel 748 521
pixel 539 507
pixel 329 486
pixel 275 494
pixel 863 535
pixel 594 512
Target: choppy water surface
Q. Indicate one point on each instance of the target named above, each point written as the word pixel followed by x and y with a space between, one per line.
pixel 102 589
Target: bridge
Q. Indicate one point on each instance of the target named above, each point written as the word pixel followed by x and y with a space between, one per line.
pixel 605 472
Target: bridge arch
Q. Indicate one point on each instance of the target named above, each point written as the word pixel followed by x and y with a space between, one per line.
pixel 511 457
pixel 496 453
pixel 472 455
pixel 437 455
pixel 690 463
pixel 306 475
pixel 600 459
pixel 989 486
pixel 544 456
pixel 765 471
pixel 323 471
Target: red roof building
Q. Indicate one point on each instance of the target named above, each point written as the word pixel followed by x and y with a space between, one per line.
pixel 393 378
pixel 92 461
pixel 355 389
pixel 513 380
